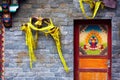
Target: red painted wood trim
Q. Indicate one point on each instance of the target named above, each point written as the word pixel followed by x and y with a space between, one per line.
pixel 92 21
pixel 76 51
pixel 109 48
pixel 93 70
pixel 93 56
pixel 77 22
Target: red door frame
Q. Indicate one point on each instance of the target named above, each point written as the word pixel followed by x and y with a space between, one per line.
pixel 77 23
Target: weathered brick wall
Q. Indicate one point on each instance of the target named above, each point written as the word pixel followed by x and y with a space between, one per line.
pixel 48 65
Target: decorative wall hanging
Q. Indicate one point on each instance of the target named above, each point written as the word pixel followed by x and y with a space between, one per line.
pixel 95 5
pixel 6 8
pixel 1 50
pixel 46 26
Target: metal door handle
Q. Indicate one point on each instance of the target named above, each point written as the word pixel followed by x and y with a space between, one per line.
pixel 108 63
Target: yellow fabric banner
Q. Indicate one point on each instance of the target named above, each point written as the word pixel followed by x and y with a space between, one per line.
pixel 94 5
pixel 49 29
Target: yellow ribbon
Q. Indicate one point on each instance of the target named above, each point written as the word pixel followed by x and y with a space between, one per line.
pixel 44 29
pixel 30 43
pixel 55 34
pixel 93 5
pixel 50 29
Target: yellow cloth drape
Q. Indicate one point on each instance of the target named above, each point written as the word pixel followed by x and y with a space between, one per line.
pixel 50 29
pixel 30 43
pixel 94 5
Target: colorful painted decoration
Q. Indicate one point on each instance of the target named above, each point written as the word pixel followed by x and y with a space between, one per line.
pixel 14 6
pixel 93 40
pixel 0 8
pixel 6 8
pixel 46 26
pixel 7 20
pixel 1 50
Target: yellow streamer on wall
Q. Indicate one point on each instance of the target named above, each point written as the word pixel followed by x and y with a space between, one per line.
pixel 50 29
pixel 30 43
pixel 93 5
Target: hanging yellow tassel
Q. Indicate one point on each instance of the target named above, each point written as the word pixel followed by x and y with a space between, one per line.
pixel 30 43
pixel 97 5
pixel 93 5
pixel 36 39
pixel 55 34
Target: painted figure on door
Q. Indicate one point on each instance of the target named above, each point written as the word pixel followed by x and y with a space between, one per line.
pixel 93 40
pixel 93 43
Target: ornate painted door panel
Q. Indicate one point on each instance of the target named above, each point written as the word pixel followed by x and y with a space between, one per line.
pixel 92 46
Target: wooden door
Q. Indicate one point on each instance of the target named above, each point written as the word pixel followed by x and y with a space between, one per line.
pixel 92 49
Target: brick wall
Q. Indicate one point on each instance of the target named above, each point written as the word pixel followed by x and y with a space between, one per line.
pixel 48 65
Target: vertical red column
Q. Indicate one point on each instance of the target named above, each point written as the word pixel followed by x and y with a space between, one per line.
pixel 1 50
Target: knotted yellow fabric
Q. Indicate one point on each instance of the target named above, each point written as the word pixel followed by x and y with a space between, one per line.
pixel 94 5
pixel 49 29
pixel 30 42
